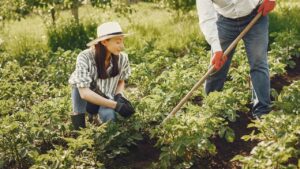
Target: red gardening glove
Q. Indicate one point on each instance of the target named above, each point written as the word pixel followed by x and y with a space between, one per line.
pixel 218 60
pixel 266 7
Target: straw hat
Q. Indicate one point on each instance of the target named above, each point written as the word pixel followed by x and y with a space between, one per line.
pixel 107 30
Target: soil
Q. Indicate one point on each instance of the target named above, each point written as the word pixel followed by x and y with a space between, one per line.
pixel 225 150
pixel 140 156
pixel 278 82
pixel 144 153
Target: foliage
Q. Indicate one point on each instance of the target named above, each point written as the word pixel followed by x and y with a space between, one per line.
pixel 67 158
pixel 16 140
pixel 166 61
pixel 285 46
pixel 23 47
pixel 15 9
pixel 278 134
pixel 285 19
pixel 184 5
pixel 69 35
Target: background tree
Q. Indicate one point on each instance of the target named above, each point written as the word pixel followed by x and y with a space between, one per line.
pixel 180 6
pixel 15 9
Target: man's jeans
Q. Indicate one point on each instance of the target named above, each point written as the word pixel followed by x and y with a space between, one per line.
pixel 79 106
pixel 256 43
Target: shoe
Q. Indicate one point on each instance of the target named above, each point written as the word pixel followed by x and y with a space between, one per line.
pixel 78 121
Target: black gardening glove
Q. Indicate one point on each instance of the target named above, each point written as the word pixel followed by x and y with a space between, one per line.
pixel 118 96
pixel 124 107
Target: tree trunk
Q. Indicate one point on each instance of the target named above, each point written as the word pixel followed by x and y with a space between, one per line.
pixel 74 10
pixel 2 20
pixel 52 11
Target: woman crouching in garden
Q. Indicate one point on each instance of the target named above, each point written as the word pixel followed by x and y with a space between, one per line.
pixel 98 80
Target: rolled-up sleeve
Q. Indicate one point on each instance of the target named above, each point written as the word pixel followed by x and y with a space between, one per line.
pixel 125 70
pixel 81 77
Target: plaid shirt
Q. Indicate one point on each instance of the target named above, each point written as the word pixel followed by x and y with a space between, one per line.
pixel 86 73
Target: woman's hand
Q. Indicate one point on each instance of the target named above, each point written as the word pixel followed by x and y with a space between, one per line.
pixel 124 107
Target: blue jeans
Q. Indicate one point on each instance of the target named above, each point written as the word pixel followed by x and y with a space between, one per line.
pixel 79 106
pixel 256 43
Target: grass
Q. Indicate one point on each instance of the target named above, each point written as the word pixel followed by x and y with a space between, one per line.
pixel 150 25
pixel 28 33
pixel 162 28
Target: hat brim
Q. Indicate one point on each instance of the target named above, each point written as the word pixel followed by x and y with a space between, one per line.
pixel 97 40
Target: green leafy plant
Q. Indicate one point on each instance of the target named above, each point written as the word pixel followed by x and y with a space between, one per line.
pixel 68 35
pixel 16 141
pixel 285 47
pixel 279 134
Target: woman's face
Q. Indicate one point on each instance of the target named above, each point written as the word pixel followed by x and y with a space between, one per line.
pixel 114 45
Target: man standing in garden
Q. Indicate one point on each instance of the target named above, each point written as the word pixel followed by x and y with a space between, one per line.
pixel 221 21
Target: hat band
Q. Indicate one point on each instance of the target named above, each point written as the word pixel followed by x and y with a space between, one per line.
pixel 115 33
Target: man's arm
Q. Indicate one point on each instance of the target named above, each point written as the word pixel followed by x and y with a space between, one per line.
pixel 207 20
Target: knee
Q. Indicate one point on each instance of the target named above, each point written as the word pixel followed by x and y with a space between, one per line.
pixel 258 58
pixel 260 65
pixel 107 115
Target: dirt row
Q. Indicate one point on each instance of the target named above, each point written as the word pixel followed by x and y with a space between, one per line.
pixel 144 153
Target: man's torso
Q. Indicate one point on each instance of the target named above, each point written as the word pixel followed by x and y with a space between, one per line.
pixel 235 8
